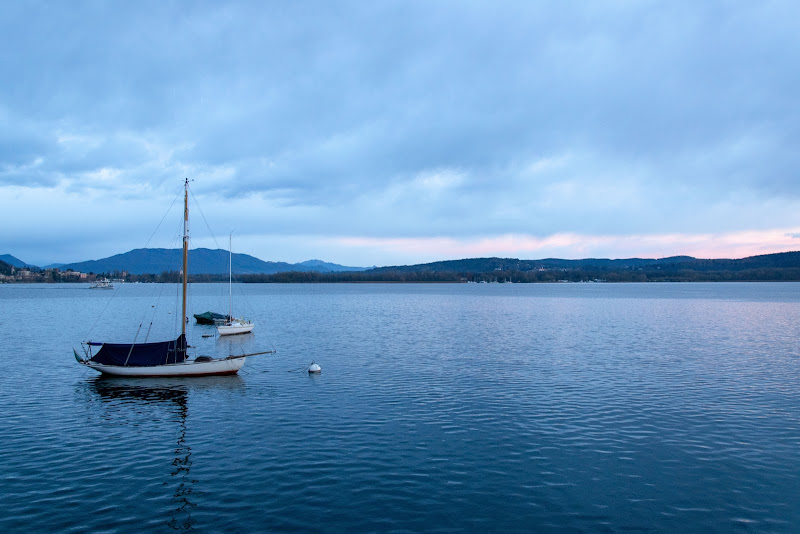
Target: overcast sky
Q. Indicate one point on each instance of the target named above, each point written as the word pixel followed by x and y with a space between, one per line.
pixel 382 133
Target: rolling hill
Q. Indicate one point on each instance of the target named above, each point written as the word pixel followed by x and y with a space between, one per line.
pixel 201 261
pixel 11 260
pixel 672 264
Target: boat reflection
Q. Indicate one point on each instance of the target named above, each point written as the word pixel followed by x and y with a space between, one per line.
pixel 159 390
pixel 172 394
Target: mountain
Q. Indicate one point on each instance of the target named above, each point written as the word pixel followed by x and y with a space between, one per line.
pixel 5 268
pixel 326 267
pixel 11 260
pixel 201 261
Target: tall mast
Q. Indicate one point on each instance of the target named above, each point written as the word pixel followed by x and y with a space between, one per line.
pixel 185 250
pixel 230 277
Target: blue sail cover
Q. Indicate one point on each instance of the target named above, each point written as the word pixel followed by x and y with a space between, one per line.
pixel 142 354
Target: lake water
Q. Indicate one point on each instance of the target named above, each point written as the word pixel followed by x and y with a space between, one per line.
pixel 469 407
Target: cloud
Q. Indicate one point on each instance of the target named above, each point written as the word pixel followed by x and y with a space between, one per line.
pixel 575 246
pixel 409 120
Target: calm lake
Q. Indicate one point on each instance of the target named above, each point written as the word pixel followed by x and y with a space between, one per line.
pixel 467 407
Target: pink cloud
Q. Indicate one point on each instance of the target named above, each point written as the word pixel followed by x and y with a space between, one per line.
pixel 571 245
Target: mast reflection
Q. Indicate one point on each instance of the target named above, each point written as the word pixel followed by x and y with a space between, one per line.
pixel 173 395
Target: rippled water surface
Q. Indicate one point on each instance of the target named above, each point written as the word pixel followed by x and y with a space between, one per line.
pixel 478 407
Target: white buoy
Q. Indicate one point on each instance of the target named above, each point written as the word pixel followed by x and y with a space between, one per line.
pixel 314 368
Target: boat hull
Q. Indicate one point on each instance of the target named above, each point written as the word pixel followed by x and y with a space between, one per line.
pixel 227 366
pixel 211 318
pixel 230 330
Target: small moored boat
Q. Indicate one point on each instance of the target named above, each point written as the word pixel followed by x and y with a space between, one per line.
pixel 236 326
pixel 210 317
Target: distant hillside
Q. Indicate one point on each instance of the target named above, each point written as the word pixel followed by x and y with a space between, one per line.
pixel 201 261
pixel 780 260
pixel 485 265
pixel 768 267
pixel 11 260
pixel 326 267
pixel 602 263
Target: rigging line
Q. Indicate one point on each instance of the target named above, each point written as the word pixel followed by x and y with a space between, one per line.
pixel 196 203
pixel 156 295
pixel 162 219
pixel 130 351
pixel 240 290
pixel 147 336
pixel 108 303
pixel 178 286
pixel 189 307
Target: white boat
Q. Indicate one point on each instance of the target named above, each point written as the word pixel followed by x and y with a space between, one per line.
pixel 105 283
pixel 234 326
pixel 165 358
pixel 237 326
pixel 200 366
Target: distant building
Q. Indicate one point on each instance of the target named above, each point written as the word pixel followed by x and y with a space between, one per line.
pixel 74 275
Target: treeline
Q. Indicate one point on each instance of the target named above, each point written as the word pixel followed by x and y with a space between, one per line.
pixel 314 277
pixel 777 274
pixel 682 275
pixel 514 276
pixel 166 277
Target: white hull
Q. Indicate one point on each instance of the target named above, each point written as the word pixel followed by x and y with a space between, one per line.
pixel 234 328
pixel 226 366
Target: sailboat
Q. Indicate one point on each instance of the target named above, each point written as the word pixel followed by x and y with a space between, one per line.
pixel 165 358
pixel 233 326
